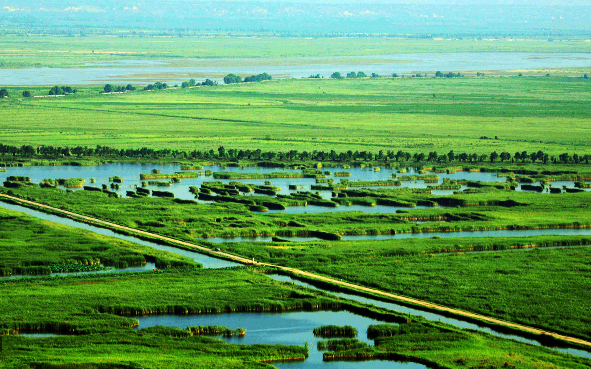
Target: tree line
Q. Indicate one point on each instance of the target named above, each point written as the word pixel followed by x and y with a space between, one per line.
pixel 28 151
pixel 232 78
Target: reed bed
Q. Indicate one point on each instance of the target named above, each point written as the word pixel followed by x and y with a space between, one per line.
pixel 71 182
pixel 216 330
pixel 145 176
pixel 335 331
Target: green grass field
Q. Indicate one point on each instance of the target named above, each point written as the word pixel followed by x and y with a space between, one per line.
pixel 411 114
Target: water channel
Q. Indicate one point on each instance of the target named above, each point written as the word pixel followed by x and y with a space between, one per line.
pixel 299 325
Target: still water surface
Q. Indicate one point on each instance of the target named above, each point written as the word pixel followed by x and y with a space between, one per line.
pixel 293 328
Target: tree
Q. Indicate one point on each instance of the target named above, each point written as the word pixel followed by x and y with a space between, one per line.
pixel 185 84
pixel 361 75
pixel 375 75
pixel 130 88
pixel 505 156
pixel 336 75
pixel 221 152
pixel 108 88
pixel 564 158
pixel 493 156
pixel 192 82
pixel 394 75
pixel 232 78
pixel 351 75
pixel 56 90
pixel 586 76
pixel 438 74
pixel 451 156
pixel 534 156
pixel 3 93
pixel 26 93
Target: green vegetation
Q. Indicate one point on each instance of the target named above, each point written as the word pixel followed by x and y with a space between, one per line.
pixel 353 114
pixel 533 131
pixel 335 330
pixel 216 330
pixel 32 246
pixel 341 344
pixel 84 306
pixel 71 182
pixel 184 174
pixel 155 347
pixel 511 285
pixel 442 348
pixel 57 51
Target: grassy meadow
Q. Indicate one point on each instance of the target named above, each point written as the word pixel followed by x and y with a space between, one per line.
pixel 410 114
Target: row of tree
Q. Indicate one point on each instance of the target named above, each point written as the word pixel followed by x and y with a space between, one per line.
pixel 232 78
pixel 61 90
pixel 110 88
pixel 156 86
pixel 292 155
pixel 192 82
pixel 439 74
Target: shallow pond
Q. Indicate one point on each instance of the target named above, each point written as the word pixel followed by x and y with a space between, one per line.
pixel 293 328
